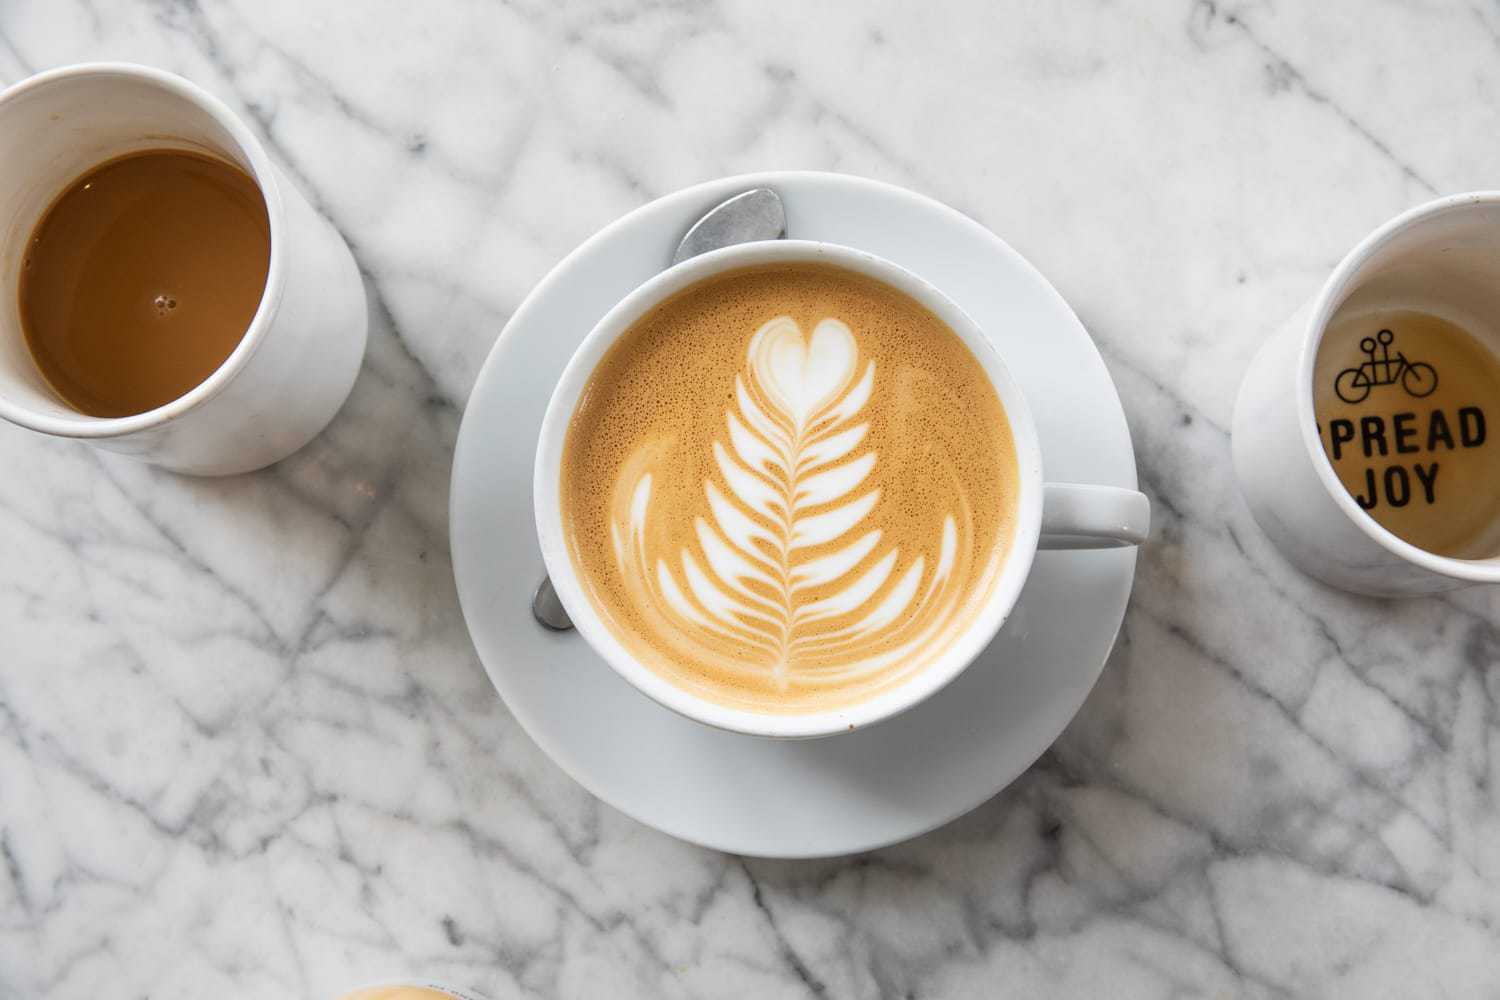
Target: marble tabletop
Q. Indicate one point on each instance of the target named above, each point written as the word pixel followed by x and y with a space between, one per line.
pixel 246 749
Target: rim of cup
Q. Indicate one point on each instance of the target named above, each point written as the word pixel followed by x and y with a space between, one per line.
pixel 951 662
pixel 1325 305
pixel 421 984
pixel 81 425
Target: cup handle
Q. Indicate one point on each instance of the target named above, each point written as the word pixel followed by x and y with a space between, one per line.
pixel 1082 516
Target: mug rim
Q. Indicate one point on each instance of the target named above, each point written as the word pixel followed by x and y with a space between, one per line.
pixel 82 425
pixel 424 984
pixel 1323 308
pixel 800 725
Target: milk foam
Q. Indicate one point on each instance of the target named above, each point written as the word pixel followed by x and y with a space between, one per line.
pixel 764 552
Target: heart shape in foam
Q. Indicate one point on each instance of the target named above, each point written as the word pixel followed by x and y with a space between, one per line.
pixel 802 377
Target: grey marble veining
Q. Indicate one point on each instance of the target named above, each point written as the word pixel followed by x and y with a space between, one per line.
pixel 246 749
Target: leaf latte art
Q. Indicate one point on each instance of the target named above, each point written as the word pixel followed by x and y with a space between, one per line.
pixel 798 546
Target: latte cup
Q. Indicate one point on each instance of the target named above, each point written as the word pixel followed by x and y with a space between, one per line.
pixel 297 360
pixel 1048 515
pixel 1441 258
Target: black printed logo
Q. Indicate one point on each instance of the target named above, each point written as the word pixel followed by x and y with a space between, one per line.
pixel 1353 384
pixel 1400 447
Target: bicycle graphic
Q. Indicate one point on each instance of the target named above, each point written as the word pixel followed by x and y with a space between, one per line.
pixel 1418 378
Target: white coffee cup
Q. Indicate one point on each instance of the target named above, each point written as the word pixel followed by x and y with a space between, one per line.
pixel 297 361
pixel 1049 515
pixel 1442 258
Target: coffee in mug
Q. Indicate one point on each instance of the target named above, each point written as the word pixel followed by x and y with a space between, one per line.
pixel 142 277
pixel 183 304
pixel 788 488
pixel 1404 401
pixel 1363 429
pixel 411 991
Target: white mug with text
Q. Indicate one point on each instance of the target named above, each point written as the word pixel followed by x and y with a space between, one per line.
pixel 1364 427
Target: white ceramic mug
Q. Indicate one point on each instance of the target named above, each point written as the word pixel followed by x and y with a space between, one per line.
pixel 297 361
pixel 1443 258
pixel 1049 515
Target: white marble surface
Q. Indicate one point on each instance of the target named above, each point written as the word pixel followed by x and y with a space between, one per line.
pixel 246 749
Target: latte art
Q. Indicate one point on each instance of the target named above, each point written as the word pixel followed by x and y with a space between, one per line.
pixel 795 485
pixel 797 545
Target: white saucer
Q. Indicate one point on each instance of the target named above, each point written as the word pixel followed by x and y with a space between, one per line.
pixel 841 794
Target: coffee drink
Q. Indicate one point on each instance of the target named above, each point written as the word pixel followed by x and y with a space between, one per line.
pixel 412 991
pixel 788 488
pixel 141 279
pixel 1403 401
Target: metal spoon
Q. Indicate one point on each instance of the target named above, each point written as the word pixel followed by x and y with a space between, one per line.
pixel 749 216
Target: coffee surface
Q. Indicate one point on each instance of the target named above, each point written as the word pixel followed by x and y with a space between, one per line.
pixel 788 488
pixel 142 278
pixel 1404 402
